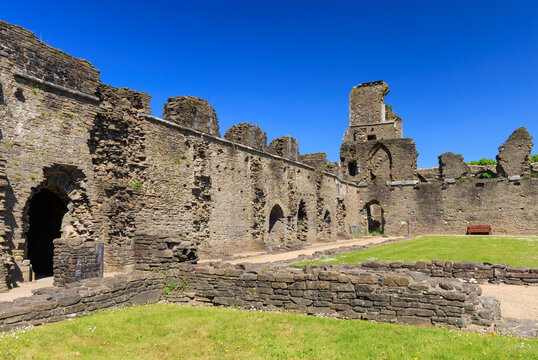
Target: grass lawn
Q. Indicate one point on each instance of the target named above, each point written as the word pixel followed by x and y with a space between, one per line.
pixel 516 251
pixel 161 331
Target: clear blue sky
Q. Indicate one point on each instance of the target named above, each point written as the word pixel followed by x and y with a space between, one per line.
pixel 463 74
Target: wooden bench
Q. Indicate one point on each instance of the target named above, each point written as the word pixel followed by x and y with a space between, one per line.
pixel 479 229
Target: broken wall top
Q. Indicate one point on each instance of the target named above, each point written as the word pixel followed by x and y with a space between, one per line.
pixel 514 156
pixel 248 135
pixel 192 112
pixel 286 147
pixel 29 56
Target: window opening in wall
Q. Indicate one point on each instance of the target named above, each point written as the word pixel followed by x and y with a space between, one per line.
pixel 372 137
pixel 352 168
pixel 45 220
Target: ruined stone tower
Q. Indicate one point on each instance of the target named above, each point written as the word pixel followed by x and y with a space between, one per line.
pixel 373 148
pixel 369 117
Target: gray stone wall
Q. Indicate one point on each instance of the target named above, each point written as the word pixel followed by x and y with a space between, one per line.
pixel 47 104
pixel 478 272
pixel 285 147
pixel 452 166
pixel 438 208
pixel 248 135
pixel 340 291
pixel 192 112
pixel 220 196
pixel 514 155
pixel 53 304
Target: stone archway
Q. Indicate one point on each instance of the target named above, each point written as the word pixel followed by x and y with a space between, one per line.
pixel 375 217
pixel 57 215
pixel 380 164
pixel 46 212
pixel 277 228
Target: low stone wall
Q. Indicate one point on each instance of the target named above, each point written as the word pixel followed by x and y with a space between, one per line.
pixel 76 259
pixel 54 304
pixel 480 272
pixel 339 291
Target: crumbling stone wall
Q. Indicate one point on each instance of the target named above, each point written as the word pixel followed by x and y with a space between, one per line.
pixel 437 208
pixel 381 161
pixel 53 304
pixel 192 112
pixel 248 135
pixel 514 155
pixel 47 104
pixel 369 117
pixel 341 291
pixel 4 248
pixel 452 166
pixel 77 259
pixel 118 154
pixel 285 147
pixel 478 272
pixel 242 185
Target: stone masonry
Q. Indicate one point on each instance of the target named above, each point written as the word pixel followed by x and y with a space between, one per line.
pixel 340 291
pixel 91 182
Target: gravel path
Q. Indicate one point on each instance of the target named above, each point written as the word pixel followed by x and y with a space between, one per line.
pixel 290 255
pixel 517 301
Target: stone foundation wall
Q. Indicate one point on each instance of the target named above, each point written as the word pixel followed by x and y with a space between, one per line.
pixel 479 272
pixel 54 304
pixel 339 291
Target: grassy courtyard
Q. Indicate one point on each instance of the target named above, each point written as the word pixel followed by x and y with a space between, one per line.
pixel 516 251
pixel 163 331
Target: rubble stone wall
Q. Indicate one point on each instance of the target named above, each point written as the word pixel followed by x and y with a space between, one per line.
pixel 340 291
pixel 53 304
pixel 438 208
pixel 480 272
pixel 206 192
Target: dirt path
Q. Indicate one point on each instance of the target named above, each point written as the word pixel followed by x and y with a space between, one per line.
pixel 25 289
pixel 520 302
pixel 264 257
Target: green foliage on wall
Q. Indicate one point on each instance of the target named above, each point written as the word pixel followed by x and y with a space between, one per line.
pixel 483 161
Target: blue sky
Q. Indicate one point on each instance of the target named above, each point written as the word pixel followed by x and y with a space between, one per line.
pixel 463 74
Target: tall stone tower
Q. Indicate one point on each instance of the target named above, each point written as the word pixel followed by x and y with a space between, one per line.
pixel 369 117
pixel 373 148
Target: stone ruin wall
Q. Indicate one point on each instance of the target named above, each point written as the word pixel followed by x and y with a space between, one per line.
pixel 407 297
pixel 206 192
pixel 152 191
pixel 341 291
pixel 440 200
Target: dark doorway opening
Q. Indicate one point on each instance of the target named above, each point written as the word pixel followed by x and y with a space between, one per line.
pixel 46 213
pixel 376 218
pixel 302 221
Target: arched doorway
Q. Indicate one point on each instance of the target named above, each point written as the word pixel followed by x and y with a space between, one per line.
pixel 380 164
pixel 375 217
pixel 302 221
pixel 277 227
pixel 46 212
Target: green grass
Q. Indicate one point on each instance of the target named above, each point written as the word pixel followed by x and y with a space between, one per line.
pixel 516 251
pixel 161 331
